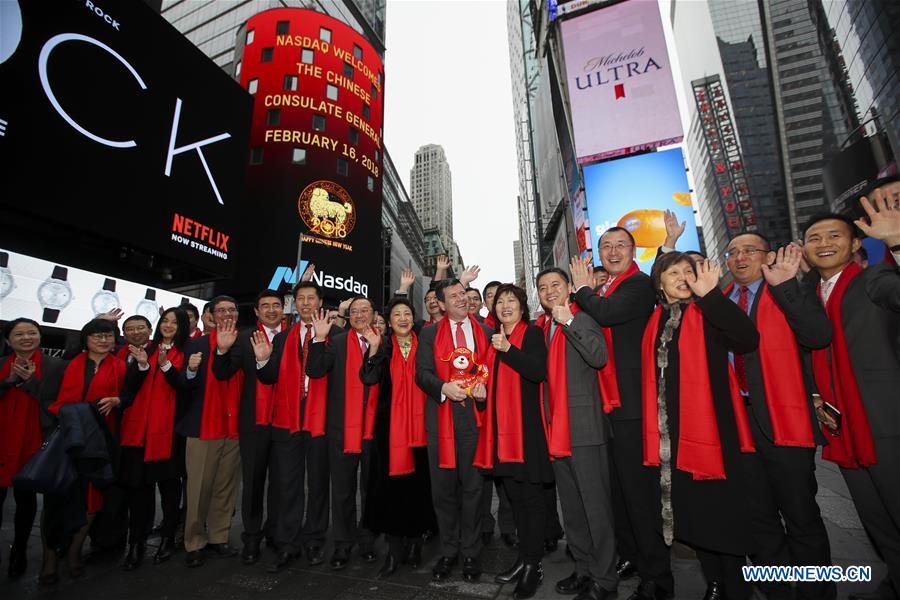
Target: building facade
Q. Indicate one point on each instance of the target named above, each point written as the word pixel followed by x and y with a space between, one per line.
pixel 431 191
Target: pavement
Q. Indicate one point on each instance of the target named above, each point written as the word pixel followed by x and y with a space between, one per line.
pixel 228 579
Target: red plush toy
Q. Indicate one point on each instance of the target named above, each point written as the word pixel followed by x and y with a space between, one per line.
pixel 466 370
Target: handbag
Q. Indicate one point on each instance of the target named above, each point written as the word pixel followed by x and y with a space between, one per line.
pixel 50 470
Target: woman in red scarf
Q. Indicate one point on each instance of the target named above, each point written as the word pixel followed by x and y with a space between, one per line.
pixel 398 502
pixel 694 420
pixel 95 375
pixel 512 439
pixel 26 377
pixel 151 451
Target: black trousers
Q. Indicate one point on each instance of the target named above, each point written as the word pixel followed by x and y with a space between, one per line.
pixel 142 504
pixel 504 513
pixel 349 472
pixel 636 506
pixel 26 509
pixel 529 506
pixel 289 461
pixel 256 462
pixel 315 526
pixel 725 569
pixel 781 484
pixel 553 529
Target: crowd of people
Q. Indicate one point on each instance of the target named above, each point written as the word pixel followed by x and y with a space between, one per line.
pixel 641 409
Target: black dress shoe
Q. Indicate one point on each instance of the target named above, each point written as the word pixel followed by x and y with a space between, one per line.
pixel 550 546
pixel 135 557
pixel 626 569
pixel 221 550
pixel 315 555
pixel 573 584
pixel 194 559
pixel 511 574
pixel 250 553
pixel 443 567
pixel 487 538
pixel 282 559
pixel 340 558
pixel 529 581
pixel 471 569
pixel 414 555
pixel 714 591
pixel 368 554
pixel 18 561
pixel 428 536
pixel 647 590
pixel 510 539
pixel 165 551
pixel 594 592
pixel 390 565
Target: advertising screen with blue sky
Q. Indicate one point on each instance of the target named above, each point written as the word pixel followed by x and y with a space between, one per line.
pixel 634 193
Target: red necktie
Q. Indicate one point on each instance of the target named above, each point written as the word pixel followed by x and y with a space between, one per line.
pixel 363 346
pixel 306 338
pixel 460 336
pixel 740 369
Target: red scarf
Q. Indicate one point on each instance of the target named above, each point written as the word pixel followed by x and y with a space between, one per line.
pixel 508 405
pixel 853 447
pixel 150 420
pixel 779 359
pixel 609 383
pixel 490 321
pixel 559 442
pixel 443 347
pixel 197 333
pixel 359 407
pixel 20 422
pixel 221 400
pixel 289 390
pixel 699 447
pixel 264 393
pixel 108 381
pixel 407 429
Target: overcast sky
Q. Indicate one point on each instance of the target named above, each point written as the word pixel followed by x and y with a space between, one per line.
pixel 447 82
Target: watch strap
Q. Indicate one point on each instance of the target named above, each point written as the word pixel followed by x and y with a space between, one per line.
pixel 60 273
pixel 50 315
pixel 894 248
pixel 4 259
pixel 150 295
pixel 109 284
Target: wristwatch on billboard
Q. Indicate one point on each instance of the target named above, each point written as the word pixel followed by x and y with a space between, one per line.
pixel 105 299
pixel 54 294
pixel 148 307
pixel 7 283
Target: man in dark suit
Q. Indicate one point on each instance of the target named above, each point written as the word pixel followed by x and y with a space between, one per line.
pixel 300 447
pixel 623 305
pixel 859 373
pixel 457 486
pixel 780 475
pixel 254 423
pixel 579 440
pixel 349 463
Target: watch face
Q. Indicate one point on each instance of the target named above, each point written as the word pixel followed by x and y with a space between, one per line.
pixel 148 309
pixel 104 301
pixel 54 293
pixel 6 282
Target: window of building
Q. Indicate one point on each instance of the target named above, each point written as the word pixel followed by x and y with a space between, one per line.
pixel 354 135
pixel 298 156
pixel 282 27
pixel 273 116
pixel 256 155
pixel 325 34
pixel 367 112
pixel 343 167
pixel 331 92
pixel 377 156
pixel 374 92
pixel 252 85
pixel 357 52
pixel 290 83
pixel 267 54
pixel 348 70
pixel 306 56
pixel 237 69
pixel 318 122
pixel 370 183
pixel 249 38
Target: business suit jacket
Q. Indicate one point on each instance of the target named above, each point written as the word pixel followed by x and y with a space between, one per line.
pixel 192 413
pixel 626 313
pixel 811 327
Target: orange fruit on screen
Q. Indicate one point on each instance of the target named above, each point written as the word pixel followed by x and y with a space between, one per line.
pixel 647 225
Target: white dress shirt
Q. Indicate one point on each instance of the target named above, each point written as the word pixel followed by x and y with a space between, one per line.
pixel 827 286
pixel 467 330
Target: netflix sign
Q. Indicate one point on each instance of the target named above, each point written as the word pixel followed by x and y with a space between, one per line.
pixel 619 80
pixel 316 151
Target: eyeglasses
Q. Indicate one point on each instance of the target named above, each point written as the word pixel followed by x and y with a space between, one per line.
pixel 745 251
pixel 225 311
pixel 97 337
pixel 135 329
pixel 620 246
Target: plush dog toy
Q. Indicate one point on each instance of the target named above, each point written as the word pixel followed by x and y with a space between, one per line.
pixel 466 370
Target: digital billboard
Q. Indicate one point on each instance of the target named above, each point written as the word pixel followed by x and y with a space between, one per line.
pixel 619 80
pixel 634 193
pixel 315 152
pixel 113 123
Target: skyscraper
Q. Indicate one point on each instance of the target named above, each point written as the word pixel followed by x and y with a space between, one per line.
pixel 431 192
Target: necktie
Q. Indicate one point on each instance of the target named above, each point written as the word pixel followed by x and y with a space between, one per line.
pixel 460 336
pixel 306 338
pixel 363 346
pixel 606 286
pixel 825 290
pixel 740 369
